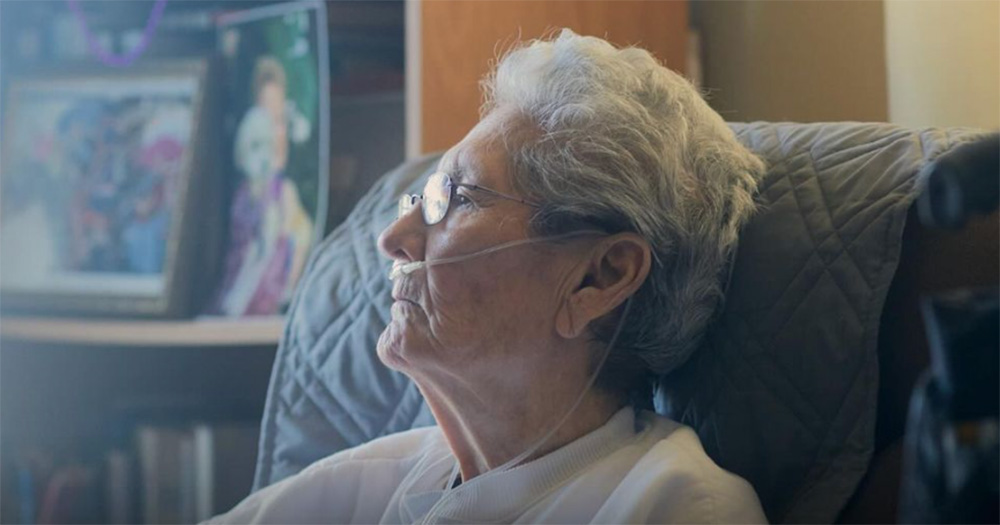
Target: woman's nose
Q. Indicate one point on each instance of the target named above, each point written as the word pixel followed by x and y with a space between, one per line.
pixel 404 238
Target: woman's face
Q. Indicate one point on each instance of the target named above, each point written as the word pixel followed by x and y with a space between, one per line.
pixel 485 317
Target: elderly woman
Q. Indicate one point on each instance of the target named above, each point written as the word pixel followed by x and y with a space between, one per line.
pixel 569 250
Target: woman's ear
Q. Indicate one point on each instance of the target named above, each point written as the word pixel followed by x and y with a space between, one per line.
pixel 617 268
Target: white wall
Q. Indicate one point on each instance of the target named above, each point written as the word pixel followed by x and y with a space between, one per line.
pixel 943 62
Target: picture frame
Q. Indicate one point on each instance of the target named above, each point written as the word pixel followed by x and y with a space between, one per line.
pixel 109 191
pixel 277 131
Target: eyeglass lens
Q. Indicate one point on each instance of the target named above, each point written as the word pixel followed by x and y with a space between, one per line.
pixel 436 199
pixel 405 204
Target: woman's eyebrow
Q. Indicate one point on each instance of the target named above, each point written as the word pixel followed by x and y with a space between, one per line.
pixel 457 173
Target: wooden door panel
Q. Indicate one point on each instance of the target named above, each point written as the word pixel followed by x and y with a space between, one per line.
pixel 461 39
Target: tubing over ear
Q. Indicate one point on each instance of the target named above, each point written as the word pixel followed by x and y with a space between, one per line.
pixel 618 267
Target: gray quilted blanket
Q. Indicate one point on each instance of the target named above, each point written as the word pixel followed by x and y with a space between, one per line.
pixel 783 392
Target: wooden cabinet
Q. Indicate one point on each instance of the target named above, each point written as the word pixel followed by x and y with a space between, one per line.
pixel 451 44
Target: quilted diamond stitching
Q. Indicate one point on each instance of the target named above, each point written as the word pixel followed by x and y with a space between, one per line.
pixel 841 260
pixel 783 140
pixel 826 264
pixel 767 382
pixel 313 393
pixel 843 250
pixel 819 468
pixel 729 349
pixel 836 230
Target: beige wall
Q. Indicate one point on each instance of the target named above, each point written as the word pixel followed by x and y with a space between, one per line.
pixel 944 62
pixel 801 61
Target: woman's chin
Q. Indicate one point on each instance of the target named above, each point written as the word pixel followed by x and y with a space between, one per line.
pixel 387 347
pixel 391 345
pixel 393 339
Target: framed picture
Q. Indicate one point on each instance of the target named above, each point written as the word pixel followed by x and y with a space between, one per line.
pixel 105 179
pixel 277 122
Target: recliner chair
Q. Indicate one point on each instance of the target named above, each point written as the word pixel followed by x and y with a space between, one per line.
pixel 802 383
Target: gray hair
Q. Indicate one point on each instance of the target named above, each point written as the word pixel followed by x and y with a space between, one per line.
pixel 619 142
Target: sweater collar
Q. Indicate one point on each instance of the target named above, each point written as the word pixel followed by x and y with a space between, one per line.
pixel 502 496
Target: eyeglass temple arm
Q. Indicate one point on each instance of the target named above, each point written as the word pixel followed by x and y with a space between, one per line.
pixel 495 192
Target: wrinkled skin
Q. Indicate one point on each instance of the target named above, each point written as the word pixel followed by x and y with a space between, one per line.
pixel 497 344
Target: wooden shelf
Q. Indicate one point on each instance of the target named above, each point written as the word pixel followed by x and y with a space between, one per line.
pixel 205 331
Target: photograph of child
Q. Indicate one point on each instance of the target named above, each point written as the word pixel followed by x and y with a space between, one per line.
pixel 277 183
pixel 270 232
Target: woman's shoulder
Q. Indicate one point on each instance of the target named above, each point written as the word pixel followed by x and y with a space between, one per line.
pixel 676 468
pixel 677 451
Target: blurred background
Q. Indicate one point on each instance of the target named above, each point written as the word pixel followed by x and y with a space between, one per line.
pixel 167 166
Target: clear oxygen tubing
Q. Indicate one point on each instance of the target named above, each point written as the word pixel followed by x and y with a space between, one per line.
pixel 399 270
pixel 423 467
pixel 435 511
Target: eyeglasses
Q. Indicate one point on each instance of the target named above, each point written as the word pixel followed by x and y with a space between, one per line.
pixel 438 192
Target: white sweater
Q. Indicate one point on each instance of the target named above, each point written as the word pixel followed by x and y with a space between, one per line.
pixel 634 469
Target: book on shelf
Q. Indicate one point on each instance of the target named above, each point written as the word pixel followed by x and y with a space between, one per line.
pixel 226 457
pixel 165 464
pixel 118 483
pixel 44 485
pixel 194 472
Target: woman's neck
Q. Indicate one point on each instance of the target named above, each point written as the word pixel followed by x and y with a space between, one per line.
pixel 484 436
